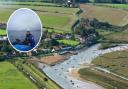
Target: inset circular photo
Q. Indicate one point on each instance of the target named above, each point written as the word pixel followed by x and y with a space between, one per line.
pixel 24 30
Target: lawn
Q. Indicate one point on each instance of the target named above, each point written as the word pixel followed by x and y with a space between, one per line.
pixel 105 14
pixel 69 42
pixel 115 61
pixel 11 78
pixel 2 32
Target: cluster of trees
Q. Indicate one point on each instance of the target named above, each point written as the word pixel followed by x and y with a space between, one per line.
pixel 86 27
pixel 47 41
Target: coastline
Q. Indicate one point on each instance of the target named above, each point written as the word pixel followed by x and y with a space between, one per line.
pixel 74 74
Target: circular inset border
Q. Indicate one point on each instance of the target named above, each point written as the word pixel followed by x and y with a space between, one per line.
pixel 39 22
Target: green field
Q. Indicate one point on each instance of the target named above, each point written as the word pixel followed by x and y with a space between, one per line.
pixel 37 74
pixel 60 18
pixel 29 3
pixel 69 42
pixel 114 61
pixel 120 6
pixel 11 78
pixel 2 32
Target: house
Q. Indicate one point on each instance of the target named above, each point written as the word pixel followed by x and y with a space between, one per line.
pixel 3 38
pixel 55 48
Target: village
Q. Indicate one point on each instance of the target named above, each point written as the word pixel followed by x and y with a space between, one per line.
pixel 49 45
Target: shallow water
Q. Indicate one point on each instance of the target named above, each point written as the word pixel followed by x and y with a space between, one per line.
pixel 59 72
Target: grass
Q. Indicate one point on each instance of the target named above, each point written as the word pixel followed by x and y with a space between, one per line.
pixel 62 10
pixel 39 76
pixel 29 3
pixel 11 78
pixel 107 45
pixel 118 37
pixel 120 6
pixel 69 42
pixel 108 81
pixel 54 21
pixel 114 61
pixel 2 32
pixel 53 17
pixel 105 14
pixel 104 32
pixel 57 31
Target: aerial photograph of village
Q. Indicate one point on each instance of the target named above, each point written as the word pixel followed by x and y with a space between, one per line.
pixel 64 44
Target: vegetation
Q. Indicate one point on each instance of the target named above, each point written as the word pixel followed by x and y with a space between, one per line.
pixel 37 3
pixel 118 37
pixel 52 17
pixel 106 80
pixel 114 61
pixel 11 78
pixel 69 42
pixel 109 1
pixel 120 6
pixel 115 17
pixel 107 45
pixel 2 32
pixel 103 32
pixel 41 79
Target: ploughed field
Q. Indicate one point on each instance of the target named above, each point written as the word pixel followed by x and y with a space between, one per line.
pixel 113 16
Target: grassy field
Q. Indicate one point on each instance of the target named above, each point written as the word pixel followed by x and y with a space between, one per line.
pixel 120 6
pixel 107 45
pixel 112 36
pixel 108 81
pixel 104 32
pixel 60 18
pixel 11 78
pixel 29 3
pixel 38 75
pixel 69 42
pixel 105 14
pixel 115 62
pixel 118 37
pixel 2 32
